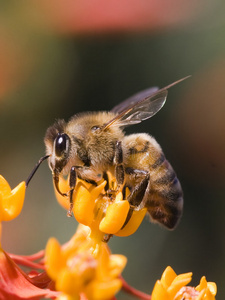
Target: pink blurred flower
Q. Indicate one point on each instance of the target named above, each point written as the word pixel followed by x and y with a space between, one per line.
pixel 100 16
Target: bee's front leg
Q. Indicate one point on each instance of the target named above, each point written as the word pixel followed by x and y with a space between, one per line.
pixel 72 184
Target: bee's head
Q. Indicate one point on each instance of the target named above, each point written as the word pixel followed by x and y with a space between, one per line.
pixel 58 146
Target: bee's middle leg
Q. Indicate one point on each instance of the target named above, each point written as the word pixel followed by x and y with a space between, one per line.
pixel 119 169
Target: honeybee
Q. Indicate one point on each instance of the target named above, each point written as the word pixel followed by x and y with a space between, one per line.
pixel 92 144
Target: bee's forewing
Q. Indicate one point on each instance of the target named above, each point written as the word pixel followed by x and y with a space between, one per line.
pixel 141 106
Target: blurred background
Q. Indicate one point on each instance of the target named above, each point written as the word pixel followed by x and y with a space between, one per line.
pixel 58 58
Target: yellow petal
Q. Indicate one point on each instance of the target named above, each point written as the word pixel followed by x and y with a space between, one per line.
pixel 134 222
pixel 103 263
pixel 77 242
pixel 178 283
pixel 117 263
pixel 68 297
pixel 54 261
pixel 84 203
pixel 209 287
pixel 119 197
pixel 103 290
pixel 64 188
pixel 12 201
pixel 202 285
pixel 159 292
pixel 82 265
pixel 167 277
pixel 212 287
pixel 4 186
pixel 115 217
pixel 96 190
pixel 68 283
pixel 181 277
pixel 209 295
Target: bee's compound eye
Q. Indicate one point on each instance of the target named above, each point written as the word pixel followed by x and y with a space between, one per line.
pixel 61 144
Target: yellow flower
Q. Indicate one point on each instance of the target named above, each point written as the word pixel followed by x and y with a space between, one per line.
pixel 77 268
pixel 11 201
pixel 102 213
pixel 207 290
pixel 173 287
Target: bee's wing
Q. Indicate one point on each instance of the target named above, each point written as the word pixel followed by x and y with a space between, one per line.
pixel 139 111
pixel 133 100
pixel 135 110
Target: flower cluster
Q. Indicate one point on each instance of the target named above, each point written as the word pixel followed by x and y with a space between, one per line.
pixel 84 268
pixel 103 213
pixel 173 287
pixel 79 268
pixel 14 283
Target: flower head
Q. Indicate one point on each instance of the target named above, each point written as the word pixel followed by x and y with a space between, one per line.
pixel 11 201
pixel 173 287
pixel 79 268
pixel 104 214
pixel 15 283
pixel 84 268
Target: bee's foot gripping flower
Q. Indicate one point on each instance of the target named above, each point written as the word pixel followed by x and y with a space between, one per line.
pixel 105 215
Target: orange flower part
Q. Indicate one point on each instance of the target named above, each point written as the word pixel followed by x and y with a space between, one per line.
pixel 11 201
pixel 102 213
pixel 170 284
pixel 84 203
pixel 115 215
pixel 174 287
pixel 134 222
pixel 64 188
pixel 204 291
pixel 207 289
pixel 16 284
pixel 78 270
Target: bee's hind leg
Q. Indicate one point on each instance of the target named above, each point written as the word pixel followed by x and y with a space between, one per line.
pixel 137 194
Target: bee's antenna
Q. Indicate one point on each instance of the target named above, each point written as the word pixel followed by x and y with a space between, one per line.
pixel 35 169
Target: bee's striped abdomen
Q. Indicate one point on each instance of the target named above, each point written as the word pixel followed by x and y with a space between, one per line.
pixel 164 199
